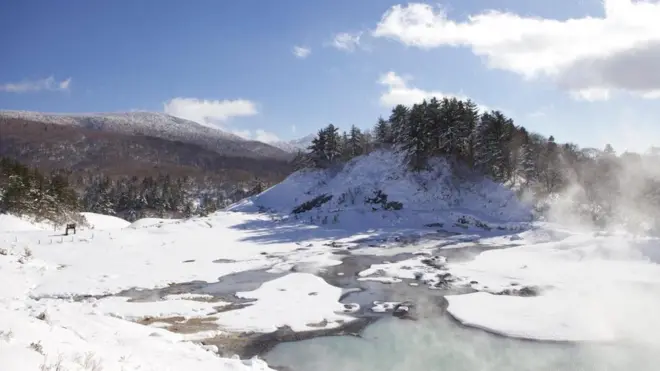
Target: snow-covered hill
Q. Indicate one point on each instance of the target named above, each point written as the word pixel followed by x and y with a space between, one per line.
pixel 293 146
pixel 377 190
pixel 157 125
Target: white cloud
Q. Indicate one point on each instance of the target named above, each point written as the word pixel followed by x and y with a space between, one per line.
pixel 245 134
pixel 259 134
pixel 399 91
pixel 347 41
pixel 265 136
pixel 301 52
pixel 209 112
pixel 217 113
pixel 46 84
pixel 589 57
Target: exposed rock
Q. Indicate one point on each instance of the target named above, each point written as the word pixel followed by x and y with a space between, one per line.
pixel 437 262
pixel 525 291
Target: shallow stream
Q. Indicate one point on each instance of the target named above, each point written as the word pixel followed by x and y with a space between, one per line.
pixel 441 344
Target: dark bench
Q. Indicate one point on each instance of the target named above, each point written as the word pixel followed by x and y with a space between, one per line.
pixel 70 226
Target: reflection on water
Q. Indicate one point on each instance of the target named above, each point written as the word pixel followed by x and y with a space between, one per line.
pixel 439 344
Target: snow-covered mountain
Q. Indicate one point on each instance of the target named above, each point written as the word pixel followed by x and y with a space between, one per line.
pixel 159 125
pixel 378 190
pixel 295 145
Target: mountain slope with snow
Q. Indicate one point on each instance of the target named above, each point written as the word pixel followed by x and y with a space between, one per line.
pixel 378 190
pixel 158 125
pixel 293 146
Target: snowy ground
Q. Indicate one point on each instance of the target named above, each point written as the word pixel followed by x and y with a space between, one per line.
pixel 44 322
pixel 59 303
pixel 581 286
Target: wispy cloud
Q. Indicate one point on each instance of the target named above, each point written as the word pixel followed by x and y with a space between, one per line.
pixel 301 52
pixel 46 84
pixel 217 114
pixel 347 41
pixel 211 113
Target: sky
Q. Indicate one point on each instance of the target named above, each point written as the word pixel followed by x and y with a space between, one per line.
pixel 585 71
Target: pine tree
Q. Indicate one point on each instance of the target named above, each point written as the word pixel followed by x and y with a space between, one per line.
pixel 399 120
pixel 326 148
pixel 355 142
pixel 317 149
pixel 383 133
pixel 416 140
pixel 466 129
pixel 449 116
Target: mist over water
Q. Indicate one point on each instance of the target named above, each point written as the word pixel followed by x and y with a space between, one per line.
pixel 442 345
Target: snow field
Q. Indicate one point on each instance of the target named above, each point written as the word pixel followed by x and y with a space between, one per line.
pixel 44 324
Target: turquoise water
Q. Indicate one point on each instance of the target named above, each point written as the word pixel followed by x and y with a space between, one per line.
pixel 442 345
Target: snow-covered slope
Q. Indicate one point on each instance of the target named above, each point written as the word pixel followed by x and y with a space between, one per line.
pixel 293 146
pixel 157 125
pixel 435 196
pixel 101 222
pixel 12 223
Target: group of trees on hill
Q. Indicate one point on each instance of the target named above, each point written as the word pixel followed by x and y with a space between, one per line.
pixel 60 196
pixel 162 196
pixel 492 144
pixel 489 142
pixel 27 191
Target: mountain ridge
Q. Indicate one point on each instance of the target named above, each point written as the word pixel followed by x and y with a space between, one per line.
pixel 158 125
pixel 295 145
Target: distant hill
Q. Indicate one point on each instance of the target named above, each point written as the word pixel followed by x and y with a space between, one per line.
pixel 156 125
pixel 111 146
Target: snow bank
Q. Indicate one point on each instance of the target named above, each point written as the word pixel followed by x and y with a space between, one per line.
pixel 435 196
pixel 301 301
pixel 548 318
pixel 12 223
pixel 78 341
pixel 590 288
pixel 100 221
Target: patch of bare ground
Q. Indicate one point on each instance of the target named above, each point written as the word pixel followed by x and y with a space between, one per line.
pixel 250 344
pixel 182 325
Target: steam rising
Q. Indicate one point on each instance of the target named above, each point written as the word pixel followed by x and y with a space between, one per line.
pixel 601 273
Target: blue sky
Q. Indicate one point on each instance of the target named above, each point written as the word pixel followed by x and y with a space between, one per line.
pixel 234 64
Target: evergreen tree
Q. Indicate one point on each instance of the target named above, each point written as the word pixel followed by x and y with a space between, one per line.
pixel 326 148
pixel 302 160
pixel 466 129
pixel 383 133
pixel 355 145
pixel 399 120
pixel 416 140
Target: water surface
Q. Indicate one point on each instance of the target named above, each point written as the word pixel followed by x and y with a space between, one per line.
pixel 440 344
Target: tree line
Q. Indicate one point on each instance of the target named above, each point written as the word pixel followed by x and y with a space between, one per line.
pixel 60 195
pixel 491 143
pixel 25 190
